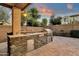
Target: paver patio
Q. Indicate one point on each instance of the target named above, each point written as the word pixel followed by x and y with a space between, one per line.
pixel 61 46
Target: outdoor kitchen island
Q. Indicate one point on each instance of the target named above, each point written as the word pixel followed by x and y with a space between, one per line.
pixel 22 43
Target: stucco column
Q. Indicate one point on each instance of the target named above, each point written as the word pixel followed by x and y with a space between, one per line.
pixel 16 20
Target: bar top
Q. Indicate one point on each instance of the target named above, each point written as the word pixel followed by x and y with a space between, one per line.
pixel 28 34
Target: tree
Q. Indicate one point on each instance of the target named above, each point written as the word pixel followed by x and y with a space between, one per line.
pixel 44 22
pixel 4 15
pixel 32 22
pixel 51 19
pixel 55 21
pixel 36 23
pixel 33 16
pixel 33 12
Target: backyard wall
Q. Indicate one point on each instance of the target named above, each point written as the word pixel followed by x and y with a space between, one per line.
pixel 4 29
pixel 56 28
pixel 3 32
pixel 32 29
pixel 66 28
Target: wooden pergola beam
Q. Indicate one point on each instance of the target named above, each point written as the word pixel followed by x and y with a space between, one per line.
pixel 26 6
pixel 6 5
pixel 11 5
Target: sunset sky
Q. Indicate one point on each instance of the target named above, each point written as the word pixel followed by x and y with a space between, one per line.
pixel 48 9
pixel 58 9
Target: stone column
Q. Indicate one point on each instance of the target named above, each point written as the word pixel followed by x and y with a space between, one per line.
pixel 16 20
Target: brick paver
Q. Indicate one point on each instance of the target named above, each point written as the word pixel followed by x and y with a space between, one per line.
pixel 61 46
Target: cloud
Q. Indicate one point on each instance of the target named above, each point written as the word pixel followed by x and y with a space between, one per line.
pixel 70 6
pixel 45 11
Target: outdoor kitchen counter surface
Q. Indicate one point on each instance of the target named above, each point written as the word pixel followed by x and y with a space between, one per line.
pixel 27 34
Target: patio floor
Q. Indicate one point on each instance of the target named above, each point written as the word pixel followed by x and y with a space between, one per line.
pixel 61 46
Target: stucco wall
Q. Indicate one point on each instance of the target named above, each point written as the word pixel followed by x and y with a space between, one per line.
pixel 64 28
pixel 4 29
pixel 3 32
pixel 56 28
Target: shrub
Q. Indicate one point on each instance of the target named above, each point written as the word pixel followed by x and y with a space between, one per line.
pixel 44 22
pixel 33 23
pixel 29 22
pixel 74 33
pixel 55 21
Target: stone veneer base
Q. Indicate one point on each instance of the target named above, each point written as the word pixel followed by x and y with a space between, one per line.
pixel 17 45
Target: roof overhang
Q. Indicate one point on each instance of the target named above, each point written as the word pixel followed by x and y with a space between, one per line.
pixel 21 6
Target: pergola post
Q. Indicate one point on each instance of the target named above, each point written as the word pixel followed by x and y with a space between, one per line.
pixel 16 20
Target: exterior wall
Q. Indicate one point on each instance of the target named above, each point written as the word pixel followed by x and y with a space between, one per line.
pixel 56 28
pixel 4 29
pixel 66 28
pixel 3 32
pixel 69 20
pixel 32 29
